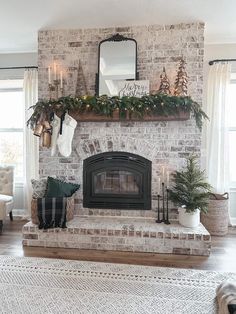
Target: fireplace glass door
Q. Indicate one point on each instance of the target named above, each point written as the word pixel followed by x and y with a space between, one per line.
pixel 117 180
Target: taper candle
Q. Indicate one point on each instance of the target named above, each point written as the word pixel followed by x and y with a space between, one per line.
pixel 55 71
pixel 167 179
pixel 163 173
pixel 61 80
pixel 49 75
pixel 159 186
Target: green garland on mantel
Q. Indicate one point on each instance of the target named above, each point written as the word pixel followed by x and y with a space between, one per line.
pixel 154 104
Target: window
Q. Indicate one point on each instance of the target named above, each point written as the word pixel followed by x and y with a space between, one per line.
pixel 11 125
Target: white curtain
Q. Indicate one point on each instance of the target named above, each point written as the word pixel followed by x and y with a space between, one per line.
pixel 217 154
pixel 31 145
pixel 216 136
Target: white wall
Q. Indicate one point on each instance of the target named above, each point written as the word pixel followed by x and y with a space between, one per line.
pixel 220 51
pixel 16 60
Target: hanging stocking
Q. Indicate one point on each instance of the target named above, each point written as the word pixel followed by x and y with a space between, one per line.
pixel 66 134
pixel 55 132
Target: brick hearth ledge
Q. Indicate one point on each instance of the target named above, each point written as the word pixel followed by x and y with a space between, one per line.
pixel 121 234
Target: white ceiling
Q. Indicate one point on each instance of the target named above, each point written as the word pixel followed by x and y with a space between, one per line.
pixel 20 20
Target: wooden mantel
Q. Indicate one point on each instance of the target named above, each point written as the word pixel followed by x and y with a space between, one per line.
pixel 93 117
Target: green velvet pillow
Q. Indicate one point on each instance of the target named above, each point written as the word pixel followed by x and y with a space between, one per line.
pixel 58 188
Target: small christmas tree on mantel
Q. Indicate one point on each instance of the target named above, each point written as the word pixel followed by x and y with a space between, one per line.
pixel 181 82
pixel 164 84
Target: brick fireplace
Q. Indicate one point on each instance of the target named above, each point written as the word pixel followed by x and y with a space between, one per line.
pixel 162 143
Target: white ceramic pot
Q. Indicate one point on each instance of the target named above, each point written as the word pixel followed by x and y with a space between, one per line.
pixel 190 220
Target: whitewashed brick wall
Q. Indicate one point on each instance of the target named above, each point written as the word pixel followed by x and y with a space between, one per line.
pixel 158 46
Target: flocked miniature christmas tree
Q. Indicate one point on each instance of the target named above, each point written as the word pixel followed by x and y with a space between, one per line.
pixel 164 84
pixel 81 86
pixel 181 82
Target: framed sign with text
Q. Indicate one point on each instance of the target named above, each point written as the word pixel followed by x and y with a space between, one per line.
pixel 133 88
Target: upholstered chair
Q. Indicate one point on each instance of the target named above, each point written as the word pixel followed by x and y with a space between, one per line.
pixel 6 193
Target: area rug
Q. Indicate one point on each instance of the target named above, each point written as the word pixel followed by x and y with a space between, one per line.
pixel 40 285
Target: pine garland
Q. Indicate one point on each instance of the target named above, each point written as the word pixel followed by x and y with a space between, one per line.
pixel 190 188
pixel 156 104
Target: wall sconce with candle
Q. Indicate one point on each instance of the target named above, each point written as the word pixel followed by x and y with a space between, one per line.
pixel 55 82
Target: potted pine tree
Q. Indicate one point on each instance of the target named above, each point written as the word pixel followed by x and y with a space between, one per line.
pixel 190 191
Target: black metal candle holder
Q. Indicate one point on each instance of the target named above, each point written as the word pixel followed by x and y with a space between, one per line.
pixel 167 222
pixel 159 220
pixel 165 201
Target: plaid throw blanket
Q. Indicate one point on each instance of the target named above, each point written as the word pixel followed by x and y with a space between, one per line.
pixel 52 212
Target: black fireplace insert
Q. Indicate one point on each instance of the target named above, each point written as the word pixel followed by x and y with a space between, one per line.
pixel 117 180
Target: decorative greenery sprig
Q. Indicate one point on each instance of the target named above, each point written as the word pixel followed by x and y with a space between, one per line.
pixel 190 188
pixel 156 104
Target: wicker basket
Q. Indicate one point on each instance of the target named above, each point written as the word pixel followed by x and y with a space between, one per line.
pixel 216 220
pixel 69 210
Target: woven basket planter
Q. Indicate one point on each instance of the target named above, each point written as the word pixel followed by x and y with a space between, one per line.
pixel 216 220
pixel 69 210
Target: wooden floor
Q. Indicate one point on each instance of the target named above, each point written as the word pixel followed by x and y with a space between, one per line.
pixel 223 256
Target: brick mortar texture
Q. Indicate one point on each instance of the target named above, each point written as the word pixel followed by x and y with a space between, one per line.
pixel 164 143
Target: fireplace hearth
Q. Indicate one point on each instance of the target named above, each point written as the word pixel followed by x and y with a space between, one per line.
pixel 117 180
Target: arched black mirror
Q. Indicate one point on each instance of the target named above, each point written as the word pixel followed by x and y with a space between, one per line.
pixel 117 61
